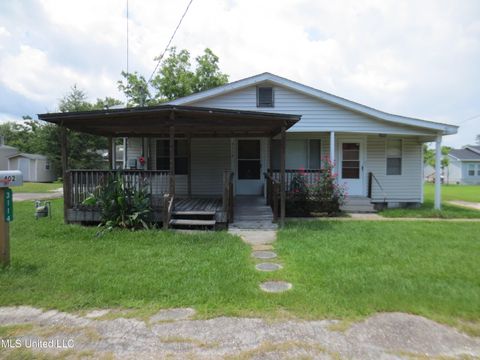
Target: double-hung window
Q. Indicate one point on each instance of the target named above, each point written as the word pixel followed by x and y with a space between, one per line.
pixel 394 157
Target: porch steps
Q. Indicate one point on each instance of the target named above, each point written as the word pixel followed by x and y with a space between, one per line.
pixel 251 212
pixel 193 213
pixel 358 204
pixel 192 222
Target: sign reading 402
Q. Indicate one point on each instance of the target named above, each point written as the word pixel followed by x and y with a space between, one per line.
pixel 11 178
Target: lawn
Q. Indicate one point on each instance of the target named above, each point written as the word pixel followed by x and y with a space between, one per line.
pixel 345 270
pixel 455 192
pixel 449 192
pixel 31 187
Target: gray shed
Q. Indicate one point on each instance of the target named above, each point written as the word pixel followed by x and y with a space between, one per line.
pixel 5 152
pixel 34 167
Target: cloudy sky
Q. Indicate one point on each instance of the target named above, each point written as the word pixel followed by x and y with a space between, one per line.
pixel 413 58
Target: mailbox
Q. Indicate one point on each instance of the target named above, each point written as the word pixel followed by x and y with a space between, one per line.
pixel 10 178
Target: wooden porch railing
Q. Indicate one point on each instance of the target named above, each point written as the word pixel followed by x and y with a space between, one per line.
pixel 310 176
pixel 273 195
pixel 83 183
pixel 227 198
pixel 167 210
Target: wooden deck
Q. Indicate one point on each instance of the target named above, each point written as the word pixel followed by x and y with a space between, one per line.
pixel 197 205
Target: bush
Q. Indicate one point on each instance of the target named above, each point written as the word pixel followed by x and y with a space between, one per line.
pixel 325 195
pixel 121 205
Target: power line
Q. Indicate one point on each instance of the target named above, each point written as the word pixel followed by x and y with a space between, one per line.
pixel 170 41
pixel 469 119
pixel 127 36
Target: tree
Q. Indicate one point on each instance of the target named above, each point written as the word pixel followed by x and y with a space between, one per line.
pixel 38 137
pixel 429 156
pixel 176 78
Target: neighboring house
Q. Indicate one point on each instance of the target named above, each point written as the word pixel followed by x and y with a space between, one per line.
pixel 464 165
pixel 5 152
pixel 428 173
pixel 119 160
pixel 34 167
pixel 240 128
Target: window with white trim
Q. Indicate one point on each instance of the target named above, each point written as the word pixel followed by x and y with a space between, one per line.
pixel 394 157
pixel 264 96
pixel 471 169
pixel 478 169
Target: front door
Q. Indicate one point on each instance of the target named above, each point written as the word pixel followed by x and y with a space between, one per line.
pixel 350 166
pixel 249 167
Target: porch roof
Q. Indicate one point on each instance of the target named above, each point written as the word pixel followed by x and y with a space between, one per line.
pixel 187 120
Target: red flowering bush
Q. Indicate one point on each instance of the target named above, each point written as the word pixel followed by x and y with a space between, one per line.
pixel 323 195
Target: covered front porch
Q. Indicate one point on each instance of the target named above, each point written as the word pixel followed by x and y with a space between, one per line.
pixel 193 160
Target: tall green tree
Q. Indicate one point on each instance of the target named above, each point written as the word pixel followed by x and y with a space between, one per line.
pixel 177 77
pixel 39 137
pixel 429 156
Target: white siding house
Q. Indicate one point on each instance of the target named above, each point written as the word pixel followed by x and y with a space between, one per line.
pixel 364 143
pixel 464 165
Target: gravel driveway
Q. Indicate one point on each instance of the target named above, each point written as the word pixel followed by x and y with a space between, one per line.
pixel 172 333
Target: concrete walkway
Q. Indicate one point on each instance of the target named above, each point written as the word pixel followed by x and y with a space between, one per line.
pixel 173 334
pixel 37 196
pixel 467 204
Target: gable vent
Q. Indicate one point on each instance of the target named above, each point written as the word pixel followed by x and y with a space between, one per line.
pixel 264 97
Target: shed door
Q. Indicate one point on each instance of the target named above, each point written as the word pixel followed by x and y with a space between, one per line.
pixel 24 167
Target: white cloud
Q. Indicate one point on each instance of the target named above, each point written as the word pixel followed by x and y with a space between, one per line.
pixel 416 58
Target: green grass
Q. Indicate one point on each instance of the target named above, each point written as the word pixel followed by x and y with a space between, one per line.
pixel 345 270
pixel 449 192
pixel 69 268
pixel 351 269
pixel 454 192
pixel 30 187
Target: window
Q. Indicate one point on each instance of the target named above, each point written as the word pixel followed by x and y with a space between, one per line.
pixel 264 97
pixel 181 156
pixel 478 169
pixel 314 154
pixel 471 169
pixel 394 157
pixel 47 165
pixel 249 159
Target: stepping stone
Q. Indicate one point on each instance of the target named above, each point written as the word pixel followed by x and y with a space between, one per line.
pixel 275 286
pixel 264 254
pixel 262 247
pixel 268 267
pixel 173 314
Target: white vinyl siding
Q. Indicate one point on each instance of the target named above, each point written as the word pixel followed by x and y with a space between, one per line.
pixel 317 115
pixel 406 187
pixel 210 158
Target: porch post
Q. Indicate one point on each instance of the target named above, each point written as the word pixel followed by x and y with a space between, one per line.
pixel 270 160
pixel 65 176
pixel 189 164
pixel 110 154
pixel 172 160
pixel 438 172
pixel 282 177
pixel 332 146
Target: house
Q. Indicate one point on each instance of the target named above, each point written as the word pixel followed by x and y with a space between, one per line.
pixel 5 152
pixel 464 165
pixel 241 138
pixel 34 167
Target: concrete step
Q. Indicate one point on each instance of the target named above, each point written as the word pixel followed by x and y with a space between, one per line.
pixel 192 222
pixel 193 213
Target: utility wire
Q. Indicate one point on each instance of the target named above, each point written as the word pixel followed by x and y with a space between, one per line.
pixel 469 119
pixel 169 41
pixel 127 36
